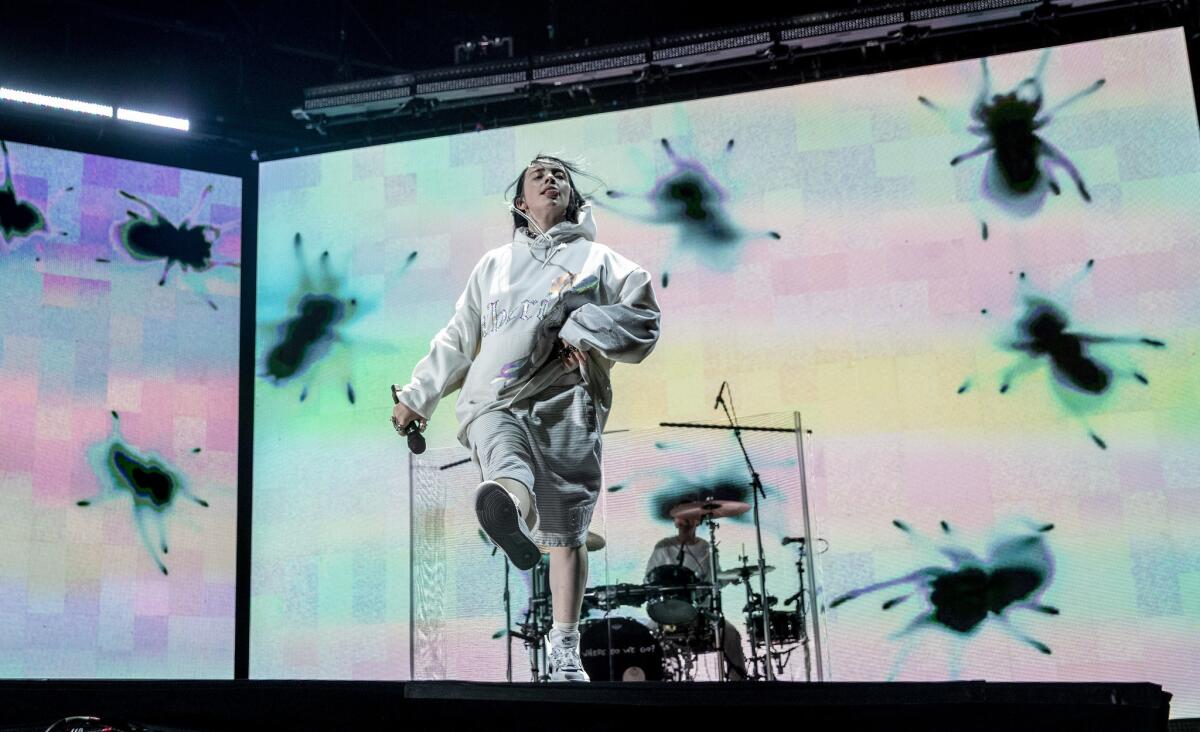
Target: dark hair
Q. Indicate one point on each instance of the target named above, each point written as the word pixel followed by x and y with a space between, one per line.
pixel 577 198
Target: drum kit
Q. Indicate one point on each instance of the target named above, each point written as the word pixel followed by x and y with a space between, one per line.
pixel 687 613
pixel 688 620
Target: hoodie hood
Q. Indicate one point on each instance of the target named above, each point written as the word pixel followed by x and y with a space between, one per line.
pixel 563 232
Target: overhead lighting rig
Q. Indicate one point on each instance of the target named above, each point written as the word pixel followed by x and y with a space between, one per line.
pixel 661 58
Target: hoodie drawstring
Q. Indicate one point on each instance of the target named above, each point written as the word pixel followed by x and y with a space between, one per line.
pixel 552 247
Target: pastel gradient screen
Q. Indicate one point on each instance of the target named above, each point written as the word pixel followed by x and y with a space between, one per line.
pixel 118 417
pixel 977 282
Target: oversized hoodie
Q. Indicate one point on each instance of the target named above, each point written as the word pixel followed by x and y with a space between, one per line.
pixel 520 299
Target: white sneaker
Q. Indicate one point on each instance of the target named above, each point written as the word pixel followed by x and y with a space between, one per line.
pixel 500 517
pixel 565 664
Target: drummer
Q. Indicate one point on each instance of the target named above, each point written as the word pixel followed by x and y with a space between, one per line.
pixel 695 555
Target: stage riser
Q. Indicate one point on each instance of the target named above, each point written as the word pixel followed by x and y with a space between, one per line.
pixel 257 705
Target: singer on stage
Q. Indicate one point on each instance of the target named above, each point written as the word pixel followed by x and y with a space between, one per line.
pixel 533 338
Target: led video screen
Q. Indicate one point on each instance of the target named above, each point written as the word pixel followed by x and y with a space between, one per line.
pixel 119 282
pixel 975 281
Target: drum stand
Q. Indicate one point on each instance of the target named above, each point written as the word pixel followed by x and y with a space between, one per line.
pixel 719 616
pixel 752 599
pixel 680 664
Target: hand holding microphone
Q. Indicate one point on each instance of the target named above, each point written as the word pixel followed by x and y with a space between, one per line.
pixel 568 355
pixel 408 423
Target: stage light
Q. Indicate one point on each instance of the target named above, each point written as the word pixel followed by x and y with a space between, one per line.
pixel 590 64
pixel 44 100
pixel 159 120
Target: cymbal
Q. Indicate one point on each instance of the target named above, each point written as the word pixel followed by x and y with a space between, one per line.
pixel 594 543
pixel 717 508
pixel 733 575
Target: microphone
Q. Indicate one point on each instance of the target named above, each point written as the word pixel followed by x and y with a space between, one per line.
pixel 717 403
pixel 791 539
pixel 412 430
pixel 416 441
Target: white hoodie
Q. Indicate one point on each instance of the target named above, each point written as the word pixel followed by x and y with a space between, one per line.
pixel 498 346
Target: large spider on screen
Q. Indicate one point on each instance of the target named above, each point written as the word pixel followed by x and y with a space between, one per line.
pixel 20 218
pixel 1021 162
pixel 312 337
pixel 150 481
pixel 691 198
pixel 971 591
pixel 151 236
pixel 1080 374
pixel 310 334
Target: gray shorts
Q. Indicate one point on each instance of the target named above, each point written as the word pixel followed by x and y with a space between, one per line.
pixel 552 446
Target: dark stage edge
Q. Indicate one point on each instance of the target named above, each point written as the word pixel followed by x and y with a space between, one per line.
pixel 446 705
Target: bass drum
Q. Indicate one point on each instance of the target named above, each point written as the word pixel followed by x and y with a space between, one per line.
pixel 623 643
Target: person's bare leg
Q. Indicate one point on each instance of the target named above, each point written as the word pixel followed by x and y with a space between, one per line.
pixel 568 577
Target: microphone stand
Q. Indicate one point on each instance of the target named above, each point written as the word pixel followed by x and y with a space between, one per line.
pixel 507 622
pixel 508 631
pixel 756 489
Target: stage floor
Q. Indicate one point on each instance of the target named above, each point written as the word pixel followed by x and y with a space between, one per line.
pixel 174 706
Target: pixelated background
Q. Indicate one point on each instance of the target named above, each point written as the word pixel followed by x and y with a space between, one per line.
pixel 829 260
pixel 81 594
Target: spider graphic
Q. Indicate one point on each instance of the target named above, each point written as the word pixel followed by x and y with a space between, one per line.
pixel 149 480
pixel 152 236
pixel 690 198
pixel 310 334
pixel 1042 334
pixel 1021 162
pixel 964 596
pixel 20 218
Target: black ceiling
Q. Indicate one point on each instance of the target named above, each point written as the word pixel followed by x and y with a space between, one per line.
pixel 237 69
pixel 244 64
